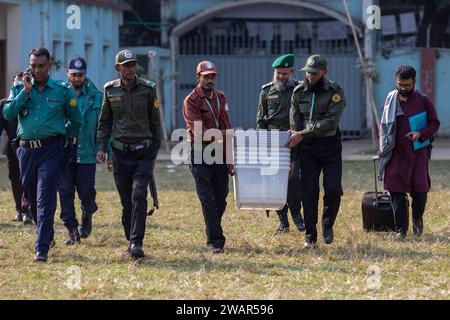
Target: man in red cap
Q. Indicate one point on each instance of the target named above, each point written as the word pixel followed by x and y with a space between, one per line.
pixel 208 108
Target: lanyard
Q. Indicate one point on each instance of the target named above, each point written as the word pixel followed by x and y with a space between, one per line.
pixel 216 118
pixel 311 107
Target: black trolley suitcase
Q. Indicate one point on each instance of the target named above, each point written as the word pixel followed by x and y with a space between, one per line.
pixel 377 213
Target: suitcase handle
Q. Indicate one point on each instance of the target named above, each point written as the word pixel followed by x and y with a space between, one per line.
pixel 375 158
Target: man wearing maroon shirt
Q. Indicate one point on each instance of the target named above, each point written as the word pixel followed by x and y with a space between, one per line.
pixel 407 170
pixel 208 108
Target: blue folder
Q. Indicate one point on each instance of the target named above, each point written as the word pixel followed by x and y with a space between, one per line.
pixel 417 123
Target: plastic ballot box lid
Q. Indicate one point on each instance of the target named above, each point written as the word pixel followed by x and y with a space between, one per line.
pixel 262 165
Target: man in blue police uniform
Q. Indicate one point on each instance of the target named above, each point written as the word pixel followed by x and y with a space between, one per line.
pixel 48 112
pixel 79 171
pixel 273 114
pixel 316 107
pixel 130 116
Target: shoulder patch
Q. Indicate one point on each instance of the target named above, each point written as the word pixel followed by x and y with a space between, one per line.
pixel 267 85
pixel 73 102
pixel 336 98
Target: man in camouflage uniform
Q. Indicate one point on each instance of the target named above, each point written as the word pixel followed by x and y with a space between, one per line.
pixel 130 117
pixel 316 108
pixel 273 113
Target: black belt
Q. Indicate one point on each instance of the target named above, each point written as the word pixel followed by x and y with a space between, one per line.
pixel 38 143
pixel 130 146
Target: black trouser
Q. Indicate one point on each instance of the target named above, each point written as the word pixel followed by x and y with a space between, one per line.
pixel 211 183
pixel 294 192
pixel 317 155
pixel 400 206
pixel 14 177
pixel 132 174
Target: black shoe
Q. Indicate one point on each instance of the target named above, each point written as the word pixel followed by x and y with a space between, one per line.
pixel 309 245
pixel 18 217
pixel 301 226
pixel 136 251
pixel 418 227
pixel 27 219
pixel 282 228
pixel 86 225
pixel 217 250
pixel 328 235
pixel 299 222
pixel 400 236
pixel 73 237
pixel 40 257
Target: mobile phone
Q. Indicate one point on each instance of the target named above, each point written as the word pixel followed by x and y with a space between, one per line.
pixel 27 75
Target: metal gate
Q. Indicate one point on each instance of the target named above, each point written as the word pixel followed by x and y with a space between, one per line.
pixel 241 78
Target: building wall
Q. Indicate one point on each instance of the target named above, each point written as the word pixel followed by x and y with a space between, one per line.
pixel 185 8
pixel 43 23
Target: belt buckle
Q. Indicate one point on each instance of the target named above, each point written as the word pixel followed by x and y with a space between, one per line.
pixel 34 144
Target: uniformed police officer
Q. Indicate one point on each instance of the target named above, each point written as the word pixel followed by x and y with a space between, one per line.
pixel 130 116
pixel 273 113
pixel 79 172
pixel 316 108
pixel 208 109
pixel 48 112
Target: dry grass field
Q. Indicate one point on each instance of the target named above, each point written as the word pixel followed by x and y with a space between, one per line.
pixel 255 265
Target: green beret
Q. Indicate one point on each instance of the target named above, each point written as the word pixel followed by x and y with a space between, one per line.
pixel 284 61
pixel 315 63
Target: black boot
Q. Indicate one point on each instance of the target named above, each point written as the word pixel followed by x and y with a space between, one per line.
pixel 74 237
pixel 284 222
pixel 18 217
pixel 86 225
pixel 26 218
pixel 298 220
pixel 418 227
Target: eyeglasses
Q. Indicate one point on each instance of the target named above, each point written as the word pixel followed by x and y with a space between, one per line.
pixel 405 85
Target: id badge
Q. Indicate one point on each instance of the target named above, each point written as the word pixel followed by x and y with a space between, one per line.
pixel 309 125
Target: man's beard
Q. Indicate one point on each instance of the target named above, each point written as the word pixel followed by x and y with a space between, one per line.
pixel 405 93
pixel 281 85
pixel 314 87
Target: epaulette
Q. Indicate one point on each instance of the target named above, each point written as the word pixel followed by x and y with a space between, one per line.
pixel 299 86
pixel 109 84
pixel 334 86
pixel 267 85
pixel 62 84
pixel 147 83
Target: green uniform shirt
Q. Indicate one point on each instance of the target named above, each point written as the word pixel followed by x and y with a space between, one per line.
pixel 317 114
pixel 129 116
pixel 89 102
pixel 42 114
pixel 274 106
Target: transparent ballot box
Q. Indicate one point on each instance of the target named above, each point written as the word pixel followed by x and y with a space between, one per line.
pixel 262 169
